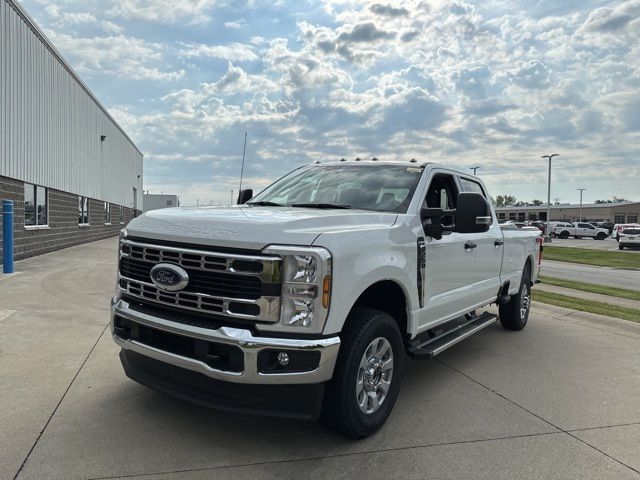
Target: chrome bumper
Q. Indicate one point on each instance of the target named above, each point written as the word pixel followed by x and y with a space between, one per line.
pixel 241 338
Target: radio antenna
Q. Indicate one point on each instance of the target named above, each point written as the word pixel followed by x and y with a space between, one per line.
pixel 244 150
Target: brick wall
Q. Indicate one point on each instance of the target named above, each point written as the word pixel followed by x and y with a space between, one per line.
pixel 63 230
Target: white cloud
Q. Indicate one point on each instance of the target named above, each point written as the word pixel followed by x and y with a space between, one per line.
pixel 235 52
pixel 163 11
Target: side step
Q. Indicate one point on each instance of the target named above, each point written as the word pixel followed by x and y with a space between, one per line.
pixel 430 347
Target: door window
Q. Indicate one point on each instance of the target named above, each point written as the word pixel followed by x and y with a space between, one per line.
pixel 442 193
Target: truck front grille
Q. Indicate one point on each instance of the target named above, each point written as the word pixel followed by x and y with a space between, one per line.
pixel 234 285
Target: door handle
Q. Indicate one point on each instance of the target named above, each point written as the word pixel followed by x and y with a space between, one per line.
pixel 498 243
pixel 470 245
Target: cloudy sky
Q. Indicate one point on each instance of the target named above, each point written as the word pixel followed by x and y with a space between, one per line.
pixel 495 84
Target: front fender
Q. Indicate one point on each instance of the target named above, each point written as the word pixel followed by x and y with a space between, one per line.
pixel 363 258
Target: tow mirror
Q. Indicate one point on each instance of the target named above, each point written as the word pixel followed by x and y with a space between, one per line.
pixel 473 213
pixel 244 196
pixel 432 221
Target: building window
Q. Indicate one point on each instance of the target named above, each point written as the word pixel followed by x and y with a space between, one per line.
pixel 618 218
pixel 36 207
pixel 502 216
pixel 512 216
pixel 522 216
pixel 533 216
pixel 632 218
pixel 169 203
pixel 107 213
pixel 83 211
pixel 121 214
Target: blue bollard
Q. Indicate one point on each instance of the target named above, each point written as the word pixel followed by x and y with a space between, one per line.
pixel 7 236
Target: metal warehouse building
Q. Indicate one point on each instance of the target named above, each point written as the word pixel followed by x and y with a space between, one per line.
pixel 72 172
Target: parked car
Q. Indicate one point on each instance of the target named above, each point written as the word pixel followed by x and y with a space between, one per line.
pixel 538 224
pixel 304 300
pixel 618 228
pixel 607 225
pixel 579 230
pixel 513 223
pixel 554 225
pixel 630 237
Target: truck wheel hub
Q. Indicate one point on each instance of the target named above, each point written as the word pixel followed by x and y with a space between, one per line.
pixel 373 380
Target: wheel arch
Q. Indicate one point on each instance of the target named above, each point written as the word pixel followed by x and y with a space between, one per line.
pixel 388 296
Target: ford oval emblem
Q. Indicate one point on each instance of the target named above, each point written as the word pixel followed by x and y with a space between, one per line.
pixel 169 277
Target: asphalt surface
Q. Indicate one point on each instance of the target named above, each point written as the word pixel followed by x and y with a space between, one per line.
pixel 614 277
pixel 557 400
pixel 608 244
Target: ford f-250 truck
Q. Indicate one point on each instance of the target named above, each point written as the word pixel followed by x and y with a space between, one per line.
pixel 304 300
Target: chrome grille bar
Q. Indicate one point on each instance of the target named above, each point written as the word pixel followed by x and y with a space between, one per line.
pixel 268 307
pixel 266 268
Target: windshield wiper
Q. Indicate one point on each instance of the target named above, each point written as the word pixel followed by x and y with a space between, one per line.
pixel 265 204
pixel 320 205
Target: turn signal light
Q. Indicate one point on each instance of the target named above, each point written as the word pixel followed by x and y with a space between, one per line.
pixel 326 291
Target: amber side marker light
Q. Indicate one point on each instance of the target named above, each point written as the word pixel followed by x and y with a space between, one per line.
pixel 326 291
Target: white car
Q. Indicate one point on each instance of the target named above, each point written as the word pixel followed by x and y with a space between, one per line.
pixel 618 228
pixel 579 230
pixel 630 237
pixel 304 301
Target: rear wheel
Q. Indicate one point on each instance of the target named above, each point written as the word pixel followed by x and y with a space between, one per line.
pixel 515 313
pixel 620 246
pixel 367 376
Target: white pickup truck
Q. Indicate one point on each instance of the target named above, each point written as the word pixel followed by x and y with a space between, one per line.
pixel 305 300
pixel 579 230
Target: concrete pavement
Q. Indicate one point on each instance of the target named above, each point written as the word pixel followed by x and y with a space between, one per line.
pixel 608 244
pixel 613 277
pixel 557 400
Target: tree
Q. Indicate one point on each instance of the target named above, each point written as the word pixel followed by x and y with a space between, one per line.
pixel 614 200
pixel 537 202
pixel 505 200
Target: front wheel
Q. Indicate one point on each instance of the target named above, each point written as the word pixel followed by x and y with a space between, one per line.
pixel 601 236
pixel 620 246
pixel 515 313
pixel 367 376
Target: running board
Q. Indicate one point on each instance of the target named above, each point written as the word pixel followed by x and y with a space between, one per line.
pixel 430 347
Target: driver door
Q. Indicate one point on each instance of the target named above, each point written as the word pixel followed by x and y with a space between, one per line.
pixel 448 284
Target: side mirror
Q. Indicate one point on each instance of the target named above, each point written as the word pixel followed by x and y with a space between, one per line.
pixel 473 213
pixel 432 222
pixel 244 196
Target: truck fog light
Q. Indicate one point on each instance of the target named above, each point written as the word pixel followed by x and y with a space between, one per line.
pixel 283 359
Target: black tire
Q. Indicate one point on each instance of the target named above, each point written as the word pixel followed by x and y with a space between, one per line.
pixel 340 410
pixel 563 234
pixel 620 246
pixel 601 236
pixel 511 316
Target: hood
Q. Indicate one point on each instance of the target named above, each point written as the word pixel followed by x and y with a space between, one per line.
pixel 251 228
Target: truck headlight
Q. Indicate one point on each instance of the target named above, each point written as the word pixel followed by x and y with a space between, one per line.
pixel 306 288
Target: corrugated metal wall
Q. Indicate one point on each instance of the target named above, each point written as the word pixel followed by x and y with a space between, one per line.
pixel 50 126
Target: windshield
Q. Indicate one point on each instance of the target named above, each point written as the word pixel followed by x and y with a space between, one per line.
pixel 377 187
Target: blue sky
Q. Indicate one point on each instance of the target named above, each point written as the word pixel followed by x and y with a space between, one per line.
pixel 495 83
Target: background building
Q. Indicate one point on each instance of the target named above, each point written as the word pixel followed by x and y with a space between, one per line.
pixel 73 173
pixel 153 201
pixel 628 212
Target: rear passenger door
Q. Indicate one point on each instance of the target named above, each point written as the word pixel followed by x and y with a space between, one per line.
pixel 489 251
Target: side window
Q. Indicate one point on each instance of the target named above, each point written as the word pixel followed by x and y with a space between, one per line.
pixel 471 186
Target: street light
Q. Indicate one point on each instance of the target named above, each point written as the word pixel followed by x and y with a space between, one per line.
pixel 581 190
pixel 474 169
pixel 547 238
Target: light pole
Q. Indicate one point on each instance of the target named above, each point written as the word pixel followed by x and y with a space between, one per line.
pixel 580 214
pixel 547 238
pixel 474 169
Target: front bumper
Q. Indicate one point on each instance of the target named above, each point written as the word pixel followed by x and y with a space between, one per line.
pixel 240 339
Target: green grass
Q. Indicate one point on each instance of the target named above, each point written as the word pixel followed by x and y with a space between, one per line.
pixel 603 258
pixel 587 305
pixel 592 288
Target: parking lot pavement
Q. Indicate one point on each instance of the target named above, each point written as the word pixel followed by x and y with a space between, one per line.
pixel 557 400
pixel 613 277
pixel 608 244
